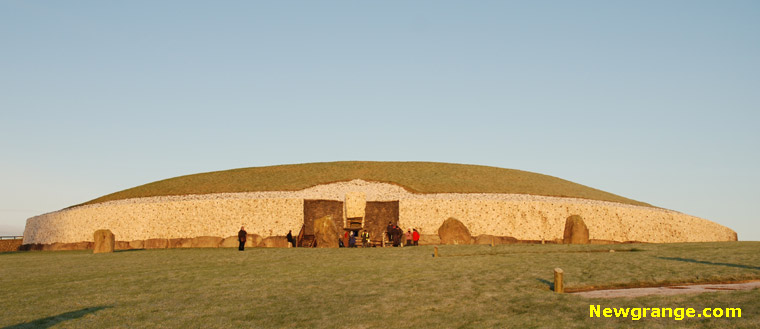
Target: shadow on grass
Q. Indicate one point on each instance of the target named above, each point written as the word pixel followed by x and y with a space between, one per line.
pixel 547 282
pixel 710 263
pixel 127 250
pixel 493 253
pixel 56 319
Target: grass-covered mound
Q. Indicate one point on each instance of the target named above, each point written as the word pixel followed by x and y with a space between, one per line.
pixel 417 177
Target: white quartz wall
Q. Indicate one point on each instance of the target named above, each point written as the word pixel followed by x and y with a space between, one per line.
pixel 168 219
pixel 523 217
pixel 545 220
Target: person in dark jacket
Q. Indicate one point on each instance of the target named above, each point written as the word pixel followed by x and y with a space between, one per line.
pixel 397 232
pixel 242 236
pixel 290 238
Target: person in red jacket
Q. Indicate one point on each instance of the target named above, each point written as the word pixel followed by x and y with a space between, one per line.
pixel 415 237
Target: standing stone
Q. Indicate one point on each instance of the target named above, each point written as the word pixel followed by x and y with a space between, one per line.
pixel 576 231
pixel 104 241
pixel 452 231
pixel 326 233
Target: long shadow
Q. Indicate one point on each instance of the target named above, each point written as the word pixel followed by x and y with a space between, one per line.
pixel 56 319
pixel 127 250
pixel 546 282
pixel 710 263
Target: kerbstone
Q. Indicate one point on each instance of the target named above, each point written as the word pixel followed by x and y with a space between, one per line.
pixel 452 231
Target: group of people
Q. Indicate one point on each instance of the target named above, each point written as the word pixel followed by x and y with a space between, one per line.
pixel 349 239
pixel 396 234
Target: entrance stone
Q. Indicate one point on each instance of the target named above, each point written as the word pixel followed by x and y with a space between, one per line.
pixel 326 232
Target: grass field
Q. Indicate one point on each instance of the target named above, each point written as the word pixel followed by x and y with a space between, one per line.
pixel 420 177
pixel 467 287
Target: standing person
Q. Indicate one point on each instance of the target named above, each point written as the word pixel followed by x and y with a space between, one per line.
pixel 365 239
pixel 392 235
pixel 416 237
pixel 290 238
pixel 242 236
pixel 408 237
pixel 345 239
pixel 352 240
pixel 389 231
pixel 396 236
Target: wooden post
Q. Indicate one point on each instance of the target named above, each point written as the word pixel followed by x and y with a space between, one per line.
pixel 436 252
pixel 558 286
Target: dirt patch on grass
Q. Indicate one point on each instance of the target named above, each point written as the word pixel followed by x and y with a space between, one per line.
pixel 688 288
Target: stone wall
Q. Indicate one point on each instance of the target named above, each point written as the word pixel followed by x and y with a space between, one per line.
pixel 10 245
pixel 523 217
pixel 168 219
pixel 544 219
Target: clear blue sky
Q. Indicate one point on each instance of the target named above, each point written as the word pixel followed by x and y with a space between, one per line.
pixel 658 101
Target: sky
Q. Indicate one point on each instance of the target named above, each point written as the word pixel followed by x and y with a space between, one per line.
pixel 658 101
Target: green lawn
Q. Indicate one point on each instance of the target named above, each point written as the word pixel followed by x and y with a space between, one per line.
pixel 467 287
pixel 419 177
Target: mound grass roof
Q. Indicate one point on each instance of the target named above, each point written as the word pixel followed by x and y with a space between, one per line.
pixel 416 177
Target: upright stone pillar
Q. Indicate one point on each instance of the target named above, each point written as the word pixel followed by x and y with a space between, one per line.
pixel 326 233
pixel 104 241
pixel 576 231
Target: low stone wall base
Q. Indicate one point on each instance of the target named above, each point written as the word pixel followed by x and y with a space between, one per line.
pixel 197 242
pixel 10 245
